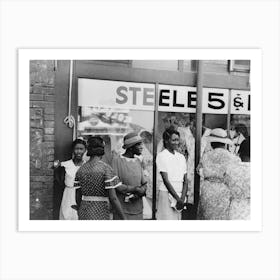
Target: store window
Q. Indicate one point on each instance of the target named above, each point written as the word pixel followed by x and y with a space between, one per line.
pixel 239 66
pixel 111 109
pixel 240 132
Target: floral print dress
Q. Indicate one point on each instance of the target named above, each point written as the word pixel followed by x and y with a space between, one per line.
pixel 225 189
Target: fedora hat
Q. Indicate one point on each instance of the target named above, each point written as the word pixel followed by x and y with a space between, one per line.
pixel 131 139
pixel 219 135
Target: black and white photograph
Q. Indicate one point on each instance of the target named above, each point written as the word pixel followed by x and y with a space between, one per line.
pixel 95 142
pixel 141 140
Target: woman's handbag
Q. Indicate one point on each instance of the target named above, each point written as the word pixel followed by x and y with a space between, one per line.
pixel 189 212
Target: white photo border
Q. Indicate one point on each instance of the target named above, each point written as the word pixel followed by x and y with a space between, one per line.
pixel 24 222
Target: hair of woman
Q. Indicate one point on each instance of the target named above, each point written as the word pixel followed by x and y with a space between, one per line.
pixel 78 141
pixel 95 146
pixel 166 136
pixel 241 128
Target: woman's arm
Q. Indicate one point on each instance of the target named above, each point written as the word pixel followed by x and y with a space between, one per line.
pixel 141 190
pixel 185 188
pixel 126 189
pixel 116 203
pixel 168 185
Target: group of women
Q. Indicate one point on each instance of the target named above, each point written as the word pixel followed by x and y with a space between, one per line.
pixel 95 190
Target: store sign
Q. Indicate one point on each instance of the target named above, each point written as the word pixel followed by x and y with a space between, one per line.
pixel 240 102
pixel 141 96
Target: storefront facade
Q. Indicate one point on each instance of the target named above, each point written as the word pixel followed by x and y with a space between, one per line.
pixel 111 98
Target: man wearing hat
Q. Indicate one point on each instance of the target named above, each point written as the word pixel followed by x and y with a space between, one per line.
pixel 129 169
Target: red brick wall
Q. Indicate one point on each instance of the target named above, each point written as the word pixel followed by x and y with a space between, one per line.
pixel 42 79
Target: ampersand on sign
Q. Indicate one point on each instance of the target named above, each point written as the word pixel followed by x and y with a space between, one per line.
pixel 237 102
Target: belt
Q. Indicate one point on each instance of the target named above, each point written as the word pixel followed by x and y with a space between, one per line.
pixel 95 198
pixel 72 187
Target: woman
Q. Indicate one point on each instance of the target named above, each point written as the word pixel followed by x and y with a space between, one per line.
pixel 240 134
pixel 173 182
pixel 67 212
pixel 98 183
pixel 225 189
pixel 128 167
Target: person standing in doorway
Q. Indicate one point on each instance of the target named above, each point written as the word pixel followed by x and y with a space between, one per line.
pixel 173 178
pixel 67 212
pixel 129 169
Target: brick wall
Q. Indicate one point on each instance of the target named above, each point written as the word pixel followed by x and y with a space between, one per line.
pixel 42 78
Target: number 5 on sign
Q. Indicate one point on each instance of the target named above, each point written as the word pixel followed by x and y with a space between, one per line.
pixel 215 101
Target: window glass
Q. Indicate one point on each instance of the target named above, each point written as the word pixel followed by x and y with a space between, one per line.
pixel 216 66
pixel 171 65
pixel 240 131
pixel 111 109
pixel 240 65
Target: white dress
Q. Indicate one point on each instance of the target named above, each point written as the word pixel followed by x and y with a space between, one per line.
pixel 69 195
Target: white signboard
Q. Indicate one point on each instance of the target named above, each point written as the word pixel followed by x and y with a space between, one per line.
pixel 141 96
pixel 240 102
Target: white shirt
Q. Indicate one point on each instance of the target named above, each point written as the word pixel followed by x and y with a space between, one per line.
pixel 236 143
pixel 175 166
pixel 70 172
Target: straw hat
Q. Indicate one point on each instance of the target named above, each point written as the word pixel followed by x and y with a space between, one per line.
pixel 131 139
pixel 219 135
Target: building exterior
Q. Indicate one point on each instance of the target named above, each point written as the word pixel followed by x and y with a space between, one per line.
pixel 70 99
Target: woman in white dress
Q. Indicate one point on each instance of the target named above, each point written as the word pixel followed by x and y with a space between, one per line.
pixel 67 212
pixel 172 179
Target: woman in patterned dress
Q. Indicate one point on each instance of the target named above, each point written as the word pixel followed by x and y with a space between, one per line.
pixel 225 189
pixel 67 212
pixel 98 182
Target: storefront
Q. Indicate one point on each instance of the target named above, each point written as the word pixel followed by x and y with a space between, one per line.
pixel 112 98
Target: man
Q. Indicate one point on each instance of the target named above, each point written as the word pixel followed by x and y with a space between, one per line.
pixel 129 169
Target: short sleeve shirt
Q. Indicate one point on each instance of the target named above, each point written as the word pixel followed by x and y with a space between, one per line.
pixel 175 166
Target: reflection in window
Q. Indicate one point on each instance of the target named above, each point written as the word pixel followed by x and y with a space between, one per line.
pixel 240 133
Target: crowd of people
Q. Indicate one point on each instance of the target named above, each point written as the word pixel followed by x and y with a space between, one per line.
pixel 96 190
